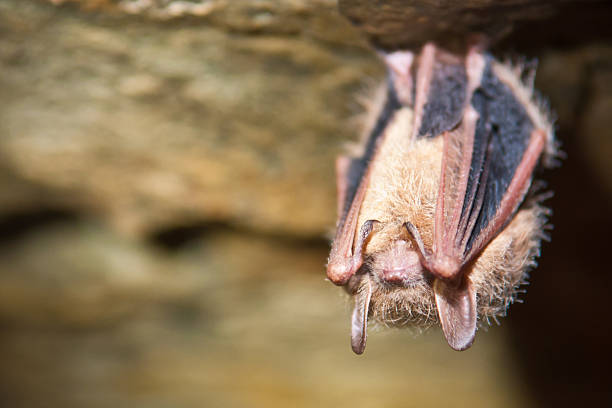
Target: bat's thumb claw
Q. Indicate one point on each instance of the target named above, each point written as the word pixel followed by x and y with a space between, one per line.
pixel 340 271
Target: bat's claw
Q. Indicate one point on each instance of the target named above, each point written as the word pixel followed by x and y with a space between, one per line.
pixel 340 272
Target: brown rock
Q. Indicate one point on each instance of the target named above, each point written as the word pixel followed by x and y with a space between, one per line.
pixel 532 23
pixel 235 119
pixel 152 126
pixel 152 114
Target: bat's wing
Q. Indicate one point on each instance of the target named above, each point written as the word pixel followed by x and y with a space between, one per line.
pixel 352 180
pixel 440 92
pixel 487 165
pixel 437 95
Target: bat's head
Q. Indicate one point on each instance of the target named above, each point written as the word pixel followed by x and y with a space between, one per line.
pixel 391 258
pixel 391 287
pixel 392 275
pixel 397 265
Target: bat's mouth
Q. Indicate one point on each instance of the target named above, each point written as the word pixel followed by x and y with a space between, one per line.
pixel 394 305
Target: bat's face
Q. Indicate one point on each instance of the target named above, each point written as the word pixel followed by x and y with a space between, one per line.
pixel 392 277
pixel 398 265
pixel 402 291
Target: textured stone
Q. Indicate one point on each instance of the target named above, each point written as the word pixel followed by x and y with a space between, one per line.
pixel 164 123
pixel 152 126
pixel 133 133
pixel 533 24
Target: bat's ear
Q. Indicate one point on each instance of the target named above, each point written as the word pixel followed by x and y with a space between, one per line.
pixel 457 311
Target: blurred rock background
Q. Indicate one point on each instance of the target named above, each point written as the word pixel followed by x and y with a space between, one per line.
pixel 167 187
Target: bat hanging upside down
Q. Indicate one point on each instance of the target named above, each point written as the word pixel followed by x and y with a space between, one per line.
pixel 434 225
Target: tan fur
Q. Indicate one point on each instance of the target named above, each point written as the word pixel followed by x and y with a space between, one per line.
pixel 403 183
pixel 404 187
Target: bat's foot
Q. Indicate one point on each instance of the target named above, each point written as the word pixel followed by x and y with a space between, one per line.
pixel 399 64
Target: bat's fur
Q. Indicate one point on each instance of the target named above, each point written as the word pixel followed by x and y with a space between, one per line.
pixel 404 187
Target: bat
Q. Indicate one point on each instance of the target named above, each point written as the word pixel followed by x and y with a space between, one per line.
pixel 437 220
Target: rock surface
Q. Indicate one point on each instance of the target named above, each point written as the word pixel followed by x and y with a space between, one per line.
pixel 166 186
pixel 532 24
pixel 216 117
pixel 156 125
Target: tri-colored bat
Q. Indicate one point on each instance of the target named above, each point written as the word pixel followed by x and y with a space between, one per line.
pixel 435 221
